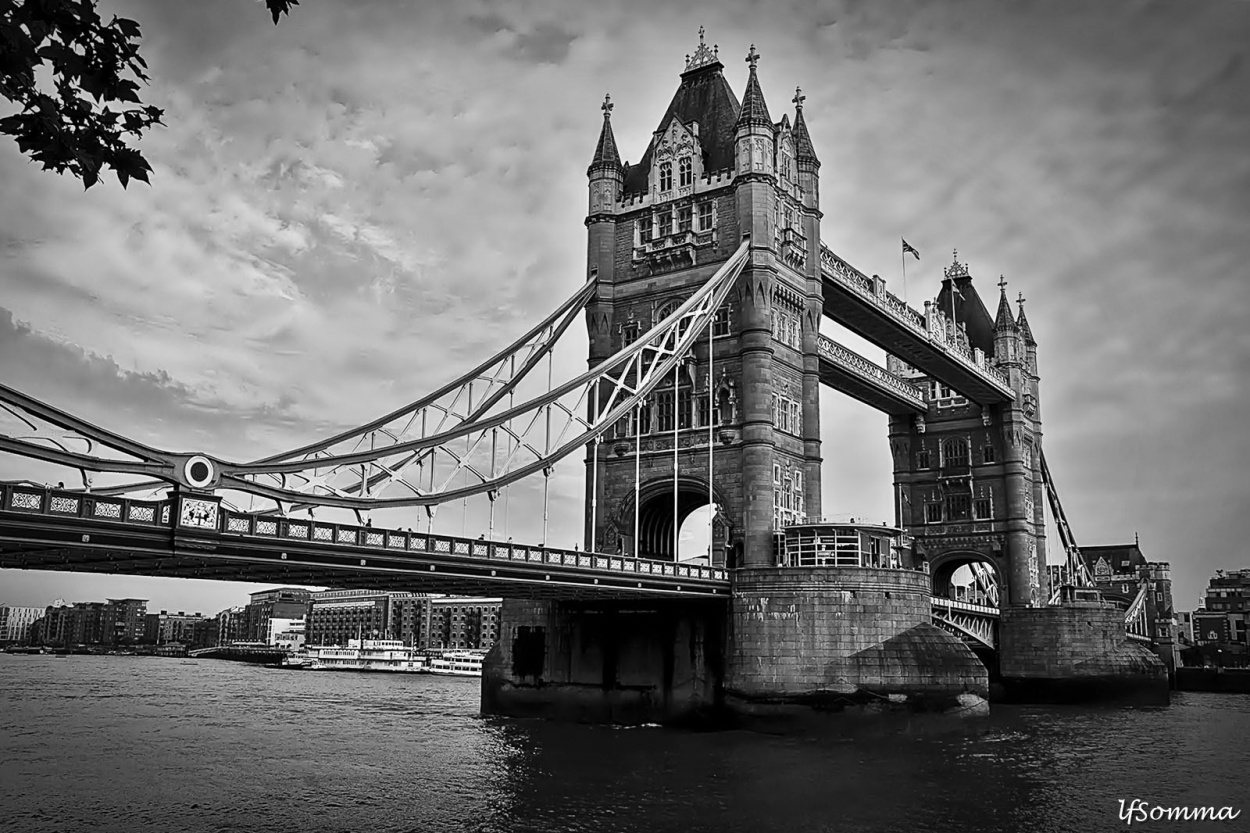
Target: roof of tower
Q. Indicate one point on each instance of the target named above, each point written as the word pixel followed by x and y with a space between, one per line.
pixel 803 149
pixel 606 155
pixel 703 97
pixel 754 110
pixel 1004 321
pixel 1023 324
pixel 969 309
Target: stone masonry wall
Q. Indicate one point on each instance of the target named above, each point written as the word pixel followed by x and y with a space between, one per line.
pixel 798 632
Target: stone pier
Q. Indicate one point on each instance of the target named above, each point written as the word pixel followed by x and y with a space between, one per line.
pixel 608 662
pixel 1076 652
pixel 844 638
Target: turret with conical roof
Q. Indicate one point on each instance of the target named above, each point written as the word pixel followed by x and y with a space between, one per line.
pixel 1008 347
pixel 607 178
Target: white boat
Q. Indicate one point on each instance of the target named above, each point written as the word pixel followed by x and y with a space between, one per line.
pixel 369 655
pixel 457 663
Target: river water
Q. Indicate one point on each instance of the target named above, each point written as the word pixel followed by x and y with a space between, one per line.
pixel 141 744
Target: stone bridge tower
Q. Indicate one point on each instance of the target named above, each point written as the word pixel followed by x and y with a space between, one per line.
pixel 714 172
pixel 968 478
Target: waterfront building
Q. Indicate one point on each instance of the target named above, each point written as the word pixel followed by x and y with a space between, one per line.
pixel 281 603
pixel 165 628
pixel 1228 592
pixel 290 638
pixel 52 628
pixel 15 623
pixel 335 616
pixel 459 622
pixel 230 625
pixel 286 629
pixel 124 622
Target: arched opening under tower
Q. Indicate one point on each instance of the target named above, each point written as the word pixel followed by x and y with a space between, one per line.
pixel 690 516
pixel 966 577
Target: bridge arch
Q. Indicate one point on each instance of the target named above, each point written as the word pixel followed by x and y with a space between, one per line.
pixel 945 570
pixel 656 519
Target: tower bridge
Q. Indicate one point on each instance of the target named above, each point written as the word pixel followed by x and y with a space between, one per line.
pixel 707 281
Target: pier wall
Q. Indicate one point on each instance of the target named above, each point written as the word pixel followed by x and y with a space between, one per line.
pixel 1076 652
pixel 839 638
pixel 608 662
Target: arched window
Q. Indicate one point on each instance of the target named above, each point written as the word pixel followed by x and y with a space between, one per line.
pixel 685 171
pixel 955 452
pixel 666 176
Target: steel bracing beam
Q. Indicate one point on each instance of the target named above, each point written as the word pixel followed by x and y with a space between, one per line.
pixel 976 622
pixel 1079 574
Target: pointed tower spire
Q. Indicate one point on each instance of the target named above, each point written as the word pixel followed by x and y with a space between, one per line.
pixel 754 110
pixel 803 150
pixel 1004 321
pixel 1023 323
pixel 606 155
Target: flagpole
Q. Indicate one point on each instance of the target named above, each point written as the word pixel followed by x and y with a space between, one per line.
pixel 903 257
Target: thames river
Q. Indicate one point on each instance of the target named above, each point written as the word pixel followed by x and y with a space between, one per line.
pixel 152 744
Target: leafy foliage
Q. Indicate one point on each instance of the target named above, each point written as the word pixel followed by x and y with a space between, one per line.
pixel 76 80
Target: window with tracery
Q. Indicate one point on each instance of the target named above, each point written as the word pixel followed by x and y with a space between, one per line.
pixel 666 176
pixel 685 171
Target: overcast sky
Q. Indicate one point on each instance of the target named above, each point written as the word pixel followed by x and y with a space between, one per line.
pixel 349 207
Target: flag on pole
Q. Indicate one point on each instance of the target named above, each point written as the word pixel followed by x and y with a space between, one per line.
pixel 907 247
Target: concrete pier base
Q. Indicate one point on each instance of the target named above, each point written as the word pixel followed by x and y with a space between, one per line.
pixel 626 663
pixel 844 639
pixel 1076 653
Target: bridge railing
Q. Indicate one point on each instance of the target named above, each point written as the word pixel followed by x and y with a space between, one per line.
pixel 870 290
pixel 62 503
pixel 966 607
pixel 55 502
pixel 844 357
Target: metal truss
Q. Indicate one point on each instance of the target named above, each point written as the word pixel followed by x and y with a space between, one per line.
pixel 1079 574
pixel 975 622
pixel 459 441
pixel 1135 621
pixel 984 581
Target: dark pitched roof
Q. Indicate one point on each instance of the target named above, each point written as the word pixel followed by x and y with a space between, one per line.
pixel 970 311
pixel 754 110
pixel 1123 558
pixel 605 151
pixel 1004 320
pixel 1025 329
pixel 803 150
pixel 704 96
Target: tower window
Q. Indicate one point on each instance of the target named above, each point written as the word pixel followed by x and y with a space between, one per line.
pixel 958 507
pixel 955 452
pixel 983 509
pixel 666 176
pixel 664 221
pixel 933 513
pixel 683 218
pixel 644 229
pixel 629 333
pixel 705 216
pixel 922 460
pixel 987 454
pixel 720 324
pixel 685 171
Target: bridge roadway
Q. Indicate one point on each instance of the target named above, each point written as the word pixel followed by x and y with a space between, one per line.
pixel 862 305
pixel 53 529
pixel 194 537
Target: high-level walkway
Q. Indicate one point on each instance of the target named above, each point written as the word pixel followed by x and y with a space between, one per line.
pixel 862 305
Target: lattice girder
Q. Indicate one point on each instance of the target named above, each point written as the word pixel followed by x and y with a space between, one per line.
pixel 459 436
